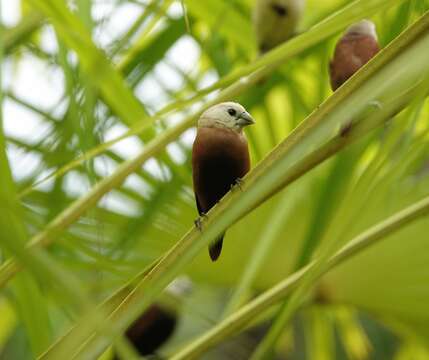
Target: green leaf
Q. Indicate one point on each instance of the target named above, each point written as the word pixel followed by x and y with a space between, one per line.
pixel 93 61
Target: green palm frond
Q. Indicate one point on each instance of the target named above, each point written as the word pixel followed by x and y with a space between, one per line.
pixel 325 253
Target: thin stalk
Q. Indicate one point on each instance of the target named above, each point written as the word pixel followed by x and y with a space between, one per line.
pixel 129 57
pixel 31 107
pixel 185 15
pixel 134 28
pixel 15 36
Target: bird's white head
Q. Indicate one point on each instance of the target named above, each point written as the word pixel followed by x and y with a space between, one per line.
pixel 227 115
pixel 363 27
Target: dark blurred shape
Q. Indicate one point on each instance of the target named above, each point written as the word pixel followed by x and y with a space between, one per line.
pixel 152 330
pixel 279 9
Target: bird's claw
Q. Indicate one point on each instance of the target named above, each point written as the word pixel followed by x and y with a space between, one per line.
pixel 199 222
pixel 345 129
pixel 237 183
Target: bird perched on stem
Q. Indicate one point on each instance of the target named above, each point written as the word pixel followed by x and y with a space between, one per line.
pixel 358 45
pixel 220 158
pixel 275 21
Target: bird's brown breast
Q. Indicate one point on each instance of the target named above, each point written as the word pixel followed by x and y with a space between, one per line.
pixel 219 157
pixel 351 53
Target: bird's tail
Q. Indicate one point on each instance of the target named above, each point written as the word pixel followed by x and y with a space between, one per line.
pixel 215 248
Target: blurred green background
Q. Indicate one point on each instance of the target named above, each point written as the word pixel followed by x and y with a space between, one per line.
pixel 60 101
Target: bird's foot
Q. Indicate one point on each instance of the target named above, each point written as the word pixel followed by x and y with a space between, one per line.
pixel 199 222
pixel 345 129
pixel 237 183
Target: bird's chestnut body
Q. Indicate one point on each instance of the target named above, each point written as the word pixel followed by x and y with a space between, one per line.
pixel 353 50
pixel 220 157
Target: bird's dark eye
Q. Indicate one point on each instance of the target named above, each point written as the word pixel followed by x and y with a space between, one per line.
pixel 280 10
pixel 232 112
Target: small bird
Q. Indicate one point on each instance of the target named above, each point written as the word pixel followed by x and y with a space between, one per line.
pixel 357 46
pixel 220 157
pixel 275 21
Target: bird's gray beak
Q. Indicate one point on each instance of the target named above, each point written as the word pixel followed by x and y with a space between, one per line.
pixel 244 119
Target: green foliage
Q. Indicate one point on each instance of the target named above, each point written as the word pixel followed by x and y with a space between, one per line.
pixel 76 269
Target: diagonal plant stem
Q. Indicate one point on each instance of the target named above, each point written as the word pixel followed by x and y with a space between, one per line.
pixel 159 11
pixel 249 312
pixel 284 164
pixel 15 36
pixel 80 206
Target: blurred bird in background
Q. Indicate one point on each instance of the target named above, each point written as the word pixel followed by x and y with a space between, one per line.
pixel 276 21
pixel 156 326
pixel 152 329
pixel 220 157
pixel 358 45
